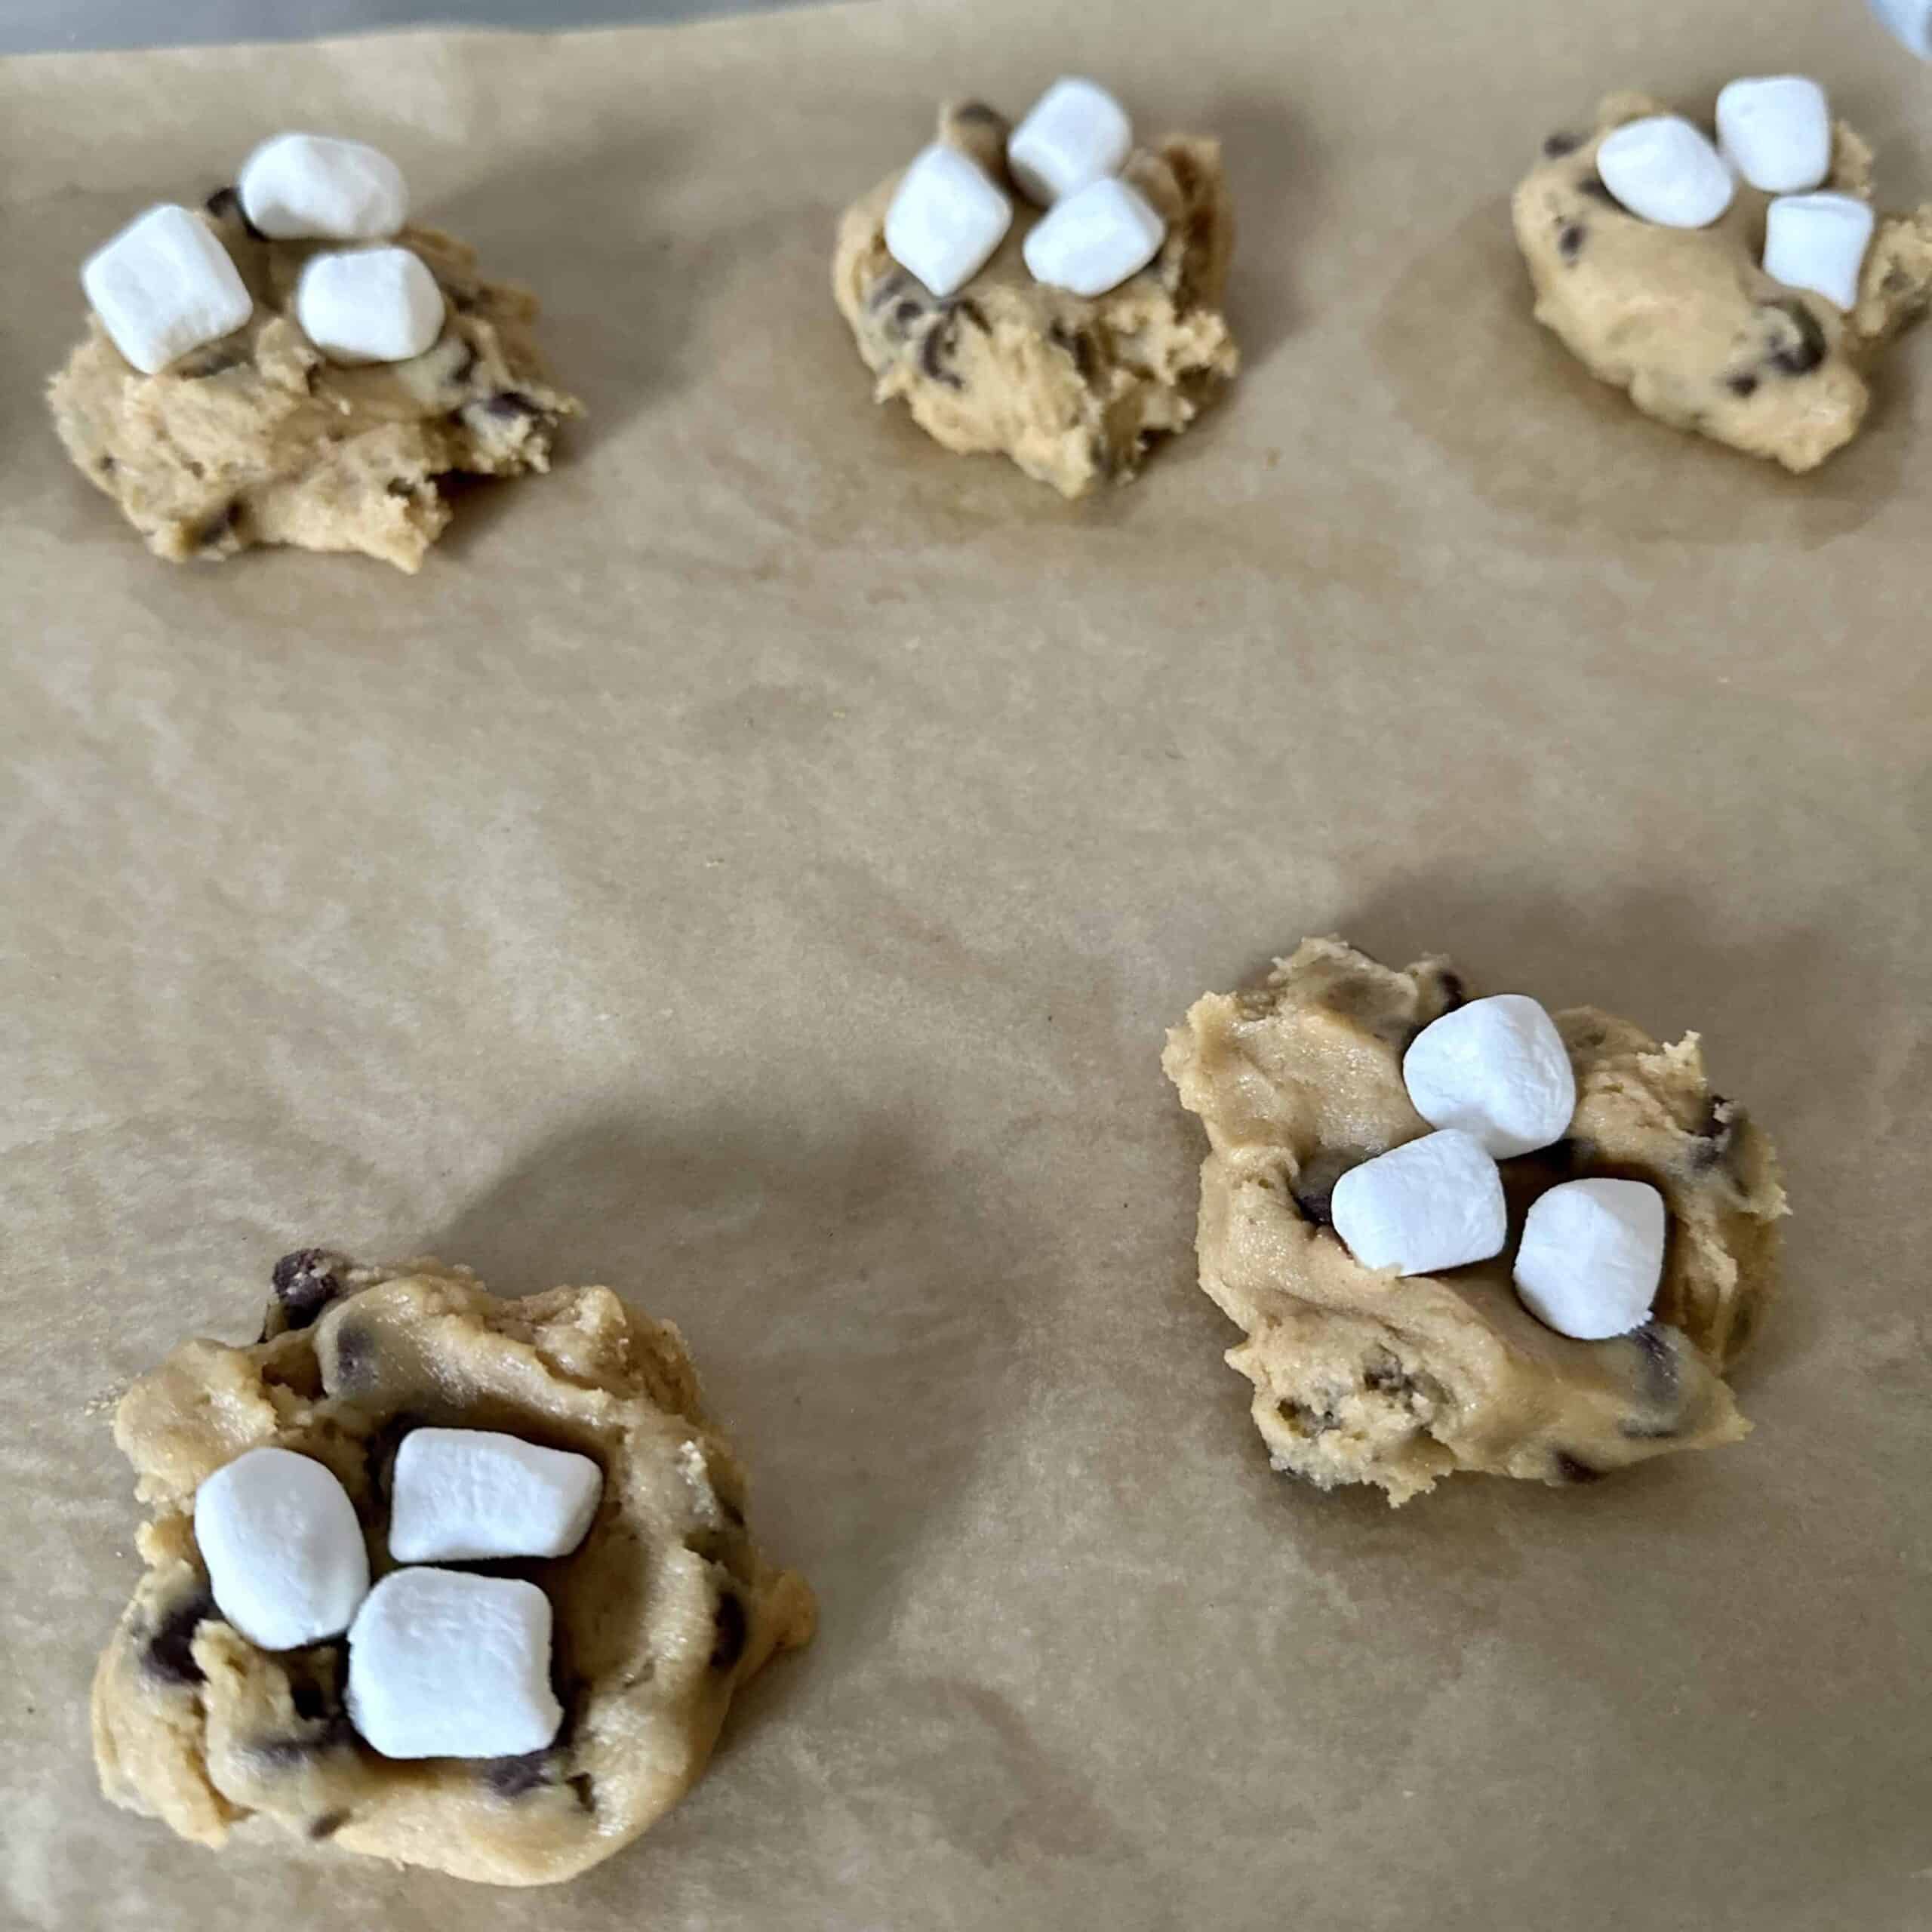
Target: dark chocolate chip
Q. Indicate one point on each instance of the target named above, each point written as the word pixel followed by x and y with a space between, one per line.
pixel 399 486
pixel 1592 185
pixel 106 465
pixel 1560 143
pixel 1715 1135
pixel 1313 1186
pixel 224 204
pixel 731 1627
pixel 1573 1469
pixel 1314 1421
pixel 973 313
pixel 1660 1369
pixel 1570 243
pixel 1385 1374
pixel 934 346
pixel 1801 357
pixel 887 287
pixel 355 1357
pixel 1078 344
pixel 460 373
pixel 215 528
pixel 1742 383
pixel 906 315
pixel 1455 992
pixel 585 1787
pixel 331 1734
pixel 327 1825
pixel 512 1777
pixel 210 362
pixel 170 1654
pixel 508 405
pixel 305 1283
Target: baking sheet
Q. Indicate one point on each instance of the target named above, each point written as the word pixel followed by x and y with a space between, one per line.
pixel 754 867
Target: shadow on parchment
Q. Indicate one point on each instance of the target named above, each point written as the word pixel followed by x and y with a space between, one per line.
pixel 1535 434
pixel 846 1304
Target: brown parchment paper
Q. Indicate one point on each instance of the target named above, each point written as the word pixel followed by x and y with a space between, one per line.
pixel 754 867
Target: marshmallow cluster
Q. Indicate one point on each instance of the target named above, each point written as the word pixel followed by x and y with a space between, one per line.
pixel 1775 131
pixel 1494 1080
pixel 165 285
pixel 947 215
pixel 441 1663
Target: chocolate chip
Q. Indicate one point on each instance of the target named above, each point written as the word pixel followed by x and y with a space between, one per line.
pixel 305 1283
pixel 330 1734
pixel 906 315
pixel 585 1788
pixel 215 529
pixel 460 373
pixel 512 1777
pixel 1742 383
pixel 225 205
pixel 973 313
pixel 328 1824
pixel 1659 1365
pixel 1313 1421
pixel 508 405
pixel 1078 344
pixel 398 486
pixel 1714 1134
pixel 1572 1470
pixel 170 1654
pixel 730 1628
pixel 1313 1186
pixel 1801 357
pixel 1592 185
pixel 106 465
pixel 1570 243
pixel 934 346
pixel 1384 1373
pixel 1556 146
pixel 883 290
pixel 210 362
pixel 355 1357
pixel 1455 991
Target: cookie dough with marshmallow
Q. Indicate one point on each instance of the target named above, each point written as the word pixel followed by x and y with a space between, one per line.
pixel 518 1734
pixel 1069 337
pixel 1689 275
pixel 307 377
pixel 1361 1374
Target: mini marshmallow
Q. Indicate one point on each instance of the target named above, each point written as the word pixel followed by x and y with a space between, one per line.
pixel 283 1549
pixel 163 286
pixel 461 1494
pixel 1074 134
pixel 1818 242
pixel 1094 240
pixel 1663 169
pixel 1911 20
pixel 369 305
pixel 946 219
pixel 1776 132
pixel 1497 1068
pixel 444 1664
pixel 1431 1203
pixel 1592 1256
pixel 300 187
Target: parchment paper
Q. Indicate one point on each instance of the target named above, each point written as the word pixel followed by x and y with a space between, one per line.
pixel 754 867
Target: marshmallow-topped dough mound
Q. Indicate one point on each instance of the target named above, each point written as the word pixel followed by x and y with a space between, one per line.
pixel 1075 389
pixel 661 1613
pixel 259 438
pixel 1362 1376
pixel 1688 322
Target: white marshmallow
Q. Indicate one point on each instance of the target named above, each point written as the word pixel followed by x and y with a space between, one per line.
pixel 946 219
pixel 1592 1256
pixel 369 305
pixel 1431 1203
pixel 1663 169
pixel 1818 242
pixel 1776 132
pixel 461 1494
pixel 285 1551
pixel 1094 240
pixel 1497 1068
pixel 1911 20
pixel 1074 134
pixel 165 285
pixel 444 1664
pixel 299 187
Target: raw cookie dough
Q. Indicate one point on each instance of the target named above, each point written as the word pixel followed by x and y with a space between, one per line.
pixel 662 1612
pixel 1366 1377
pixel 1685 320
pixel 1073 388
pixel 256 438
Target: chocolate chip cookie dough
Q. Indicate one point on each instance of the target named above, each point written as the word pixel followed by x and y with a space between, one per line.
pixel 1686 321
pixel 1074 388
pixel 1367 1377
pixel 258 439
pixel 660 1614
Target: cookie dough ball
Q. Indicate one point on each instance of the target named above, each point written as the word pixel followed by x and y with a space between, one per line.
pixel 1398 1381
pixel 1686 321
pixel 661 1613
pixel 260 438
pixel 1075 389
